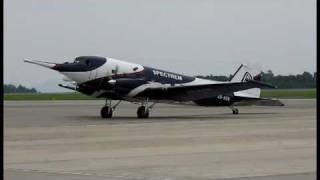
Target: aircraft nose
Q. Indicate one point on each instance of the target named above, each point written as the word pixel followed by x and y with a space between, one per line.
pixel 58 67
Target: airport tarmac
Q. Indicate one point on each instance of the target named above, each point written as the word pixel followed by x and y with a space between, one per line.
pixel 68 140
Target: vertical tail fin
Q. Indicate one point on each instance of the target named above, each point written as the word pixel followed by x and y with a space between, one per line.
pixel 243 74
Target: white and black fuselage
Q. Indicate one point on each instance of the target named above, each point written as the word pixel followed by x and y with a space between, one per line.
pixel 115 79
pixel 120 80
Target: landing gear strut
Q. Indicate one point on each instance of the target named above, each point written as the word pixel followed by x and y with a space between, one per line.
pixel 234 110
pixel 107 110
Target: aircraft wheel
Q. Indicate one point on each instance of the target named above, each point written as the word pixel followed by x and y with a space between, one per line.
pixel 235 111
pixel 106 112
pixel 142 112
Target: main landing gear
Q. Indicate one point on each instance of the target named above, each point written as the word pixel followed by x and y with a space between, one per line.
pixel 107 110
pixel 143 110
pixel 234 110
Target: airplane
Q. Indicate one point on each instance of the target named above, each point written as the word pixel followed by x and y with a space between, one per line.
pixel 113 79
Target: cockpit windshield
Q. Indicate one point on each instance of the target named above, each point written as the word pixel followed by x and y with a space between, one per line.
pixel 82 63
pixel 90 60
pixel 81 60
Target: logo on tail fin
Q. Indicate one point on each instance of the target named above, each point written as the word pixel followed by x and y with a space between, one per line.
pixel 247 76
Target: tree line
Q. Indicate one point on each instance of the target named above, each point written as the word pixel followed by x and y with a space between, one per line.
pixel 304 80
pixel 9 88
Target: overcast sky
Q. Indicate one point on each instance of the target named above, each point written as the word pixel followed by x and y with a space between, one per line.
pixel 193 37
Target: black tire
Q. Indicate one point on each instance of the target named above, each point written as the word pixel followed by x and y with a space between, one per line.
pixel 106 112
pixel 236 111
pixel 142 112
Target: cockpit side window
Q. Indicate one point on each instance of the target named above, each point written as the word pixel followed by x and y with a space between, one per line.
pixel 88 63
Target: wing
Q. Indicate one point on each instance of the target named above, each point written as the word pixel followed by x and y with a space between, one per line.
pixel 196 92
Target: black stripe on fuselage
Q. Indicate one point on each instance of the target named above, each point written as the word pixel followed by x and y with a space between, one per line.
pixel 127 82
pixel 157 75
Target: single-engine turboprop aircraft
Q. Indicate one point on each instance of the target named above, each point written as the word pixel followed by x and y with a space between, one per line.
pixel 112 79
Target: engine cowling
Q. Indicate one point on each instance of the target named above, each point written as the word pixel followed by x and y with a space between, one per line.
pixel 126 83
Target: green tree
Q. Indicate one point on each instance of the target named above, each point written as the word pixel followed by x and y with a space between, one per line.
pixel 9 88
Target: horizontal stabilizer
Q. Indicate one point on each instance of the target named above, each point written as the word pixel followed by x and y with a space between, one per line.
pixel 263 84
